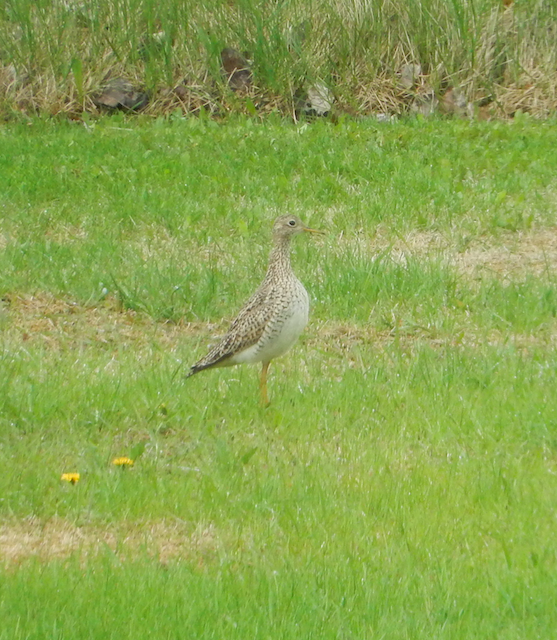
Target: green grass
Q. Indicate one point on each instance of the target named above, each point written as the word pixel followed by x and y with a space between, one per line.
pixel 113 201
pixel 401 484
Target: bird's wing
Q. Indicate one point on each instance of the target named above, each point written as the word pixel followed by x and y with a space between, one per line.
pixel 244 332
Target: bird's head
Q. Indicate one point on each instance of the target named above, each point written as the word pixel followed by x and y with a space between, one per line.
pixel 289 225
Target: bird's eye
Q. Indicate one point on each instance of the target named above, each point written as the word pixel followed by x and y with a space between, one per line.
pixel 292 223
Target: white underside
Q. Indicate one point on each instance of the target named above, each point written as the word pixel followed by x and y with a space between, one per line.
pixel 277 341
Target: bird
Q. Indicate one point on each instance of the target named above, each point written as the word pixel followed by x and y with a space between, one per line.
pixel 273 318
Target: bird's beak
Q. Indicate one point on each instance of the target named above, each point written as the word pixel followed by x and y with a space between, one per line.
pixel 321 233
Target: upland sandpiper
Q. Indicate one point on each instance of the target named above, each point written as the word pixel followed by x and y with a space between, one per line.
pixel 273 318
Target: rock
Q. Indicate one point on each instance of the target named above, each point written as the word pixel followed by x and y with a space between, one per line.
pixel 385 117
pixel 236 69
pixel 181 91
pixel 320 99
pixel 409 75
pixel 454 102
pixel 484 112
pixel 121 94
pixel 425 104
pixel 317 102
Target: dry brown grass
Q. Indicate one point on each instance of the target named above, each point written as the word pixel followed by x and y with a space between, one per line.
pixel 60 323
pixel 515 254
pixel 344 339
pixel 57 539
pixel 501 56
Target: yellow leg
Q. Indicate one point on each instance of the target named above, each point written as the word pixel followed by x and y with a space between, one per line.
pixel 263 384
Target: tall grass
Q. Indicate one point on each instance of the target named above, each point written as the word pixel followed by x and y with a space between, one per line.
pixel 54 55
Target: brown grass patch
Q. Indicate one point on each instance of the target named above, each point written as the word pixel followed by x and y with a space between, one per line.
pixel 57 323
pixel 61 324
pixel 509 255
pixel 57 539
pixel 345 339
pixel 518 255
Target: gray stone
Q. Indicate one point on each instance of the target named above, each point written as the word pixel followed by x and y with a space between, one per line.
pixel 454 102
pixel 236 69
pixel 425 104
pixel 119 93
pixel 320 99
pixel 409 75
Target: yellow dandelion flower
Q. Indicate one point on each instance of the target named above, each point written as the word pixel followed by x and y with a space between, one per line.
pixel 123 462
pixel 70 477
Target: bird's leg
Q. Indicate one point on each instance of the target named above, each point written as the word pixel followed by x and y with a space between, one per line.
pixel 263 384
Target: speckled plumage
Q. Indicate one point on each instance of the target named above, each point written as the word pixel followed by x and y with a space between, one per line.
pixel 273 318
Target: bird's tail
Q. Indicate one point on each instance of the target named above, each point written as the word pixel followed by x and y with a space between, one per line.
pixel 197 368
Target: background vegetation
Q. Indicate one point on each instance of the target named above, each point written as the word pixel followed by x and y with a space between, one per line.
pixel 57 55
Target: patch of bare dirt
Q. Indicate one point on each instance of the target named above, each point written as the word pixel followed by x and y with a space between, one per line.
pixel 58 322
pixel 518 255
pixel 343 338
pixel 510 255
pixel 58 539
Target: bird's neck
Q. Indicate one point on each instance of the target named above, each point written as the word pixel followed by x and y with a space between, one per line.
pixel 279 260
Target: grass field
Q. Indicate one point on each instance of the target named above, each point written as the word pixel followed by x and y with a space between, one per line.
pixel 402 484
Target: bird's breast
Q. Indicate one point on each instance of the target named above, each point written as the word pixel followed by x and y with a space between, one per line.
pixel 284 328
